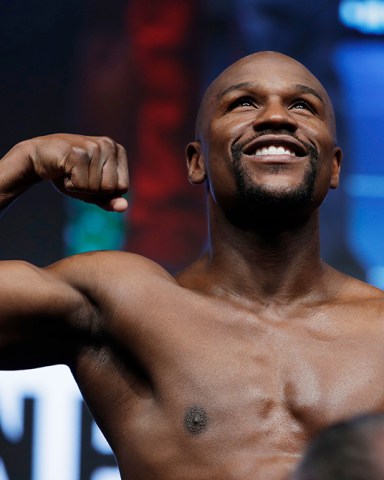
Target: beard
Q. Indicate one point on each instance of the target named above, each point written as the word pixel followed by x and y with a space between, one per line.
pixel 258 197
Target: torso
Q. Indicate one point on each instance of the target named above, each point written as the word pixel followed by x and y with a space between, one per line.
pixel 189 386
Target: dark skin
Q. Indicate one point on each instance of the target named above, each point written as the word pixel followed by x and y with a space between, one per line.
pixel 228 369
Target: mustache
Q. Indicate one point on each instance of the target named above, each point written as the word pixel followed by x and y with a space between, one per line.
pixel 238 147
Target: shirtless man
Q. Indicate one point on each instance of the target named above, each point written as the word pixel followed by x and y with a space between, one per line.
pixel 227 370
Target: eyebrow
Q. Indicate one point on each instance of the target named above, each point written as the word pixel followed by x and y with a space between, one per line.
pixel 298 86
pixel 310 90
pixel 231 88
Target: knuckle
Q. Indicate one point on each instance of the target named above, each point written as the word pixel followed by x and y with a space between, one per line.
pixel 81 154
pixel 92 148
pixel 108 142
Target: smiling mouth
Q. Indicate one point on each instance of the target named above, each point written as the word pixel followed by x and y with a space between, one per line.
pixel 272 146
pixel 272 150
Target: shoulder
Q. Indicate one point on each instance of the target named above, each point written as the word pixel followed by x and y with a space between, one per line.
pixel 103 269
pixel 360 296
pixel 115 284
pixel 358 290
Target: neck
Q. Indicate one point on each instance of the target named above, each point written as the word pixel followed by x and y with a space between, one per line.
pixel 270 264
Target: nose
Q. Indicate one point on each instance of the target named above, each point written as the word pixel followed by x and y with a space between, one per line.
pixel 274 116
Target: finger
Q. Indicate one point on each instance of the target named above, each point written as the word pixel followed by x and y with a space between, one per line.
pixel 77 169
pixel 108 158
pixel 112 204
pixel 109 177
pixel 122 170
pixel 88 164
pixel 95 167
pixel 116 204
pixel 108 155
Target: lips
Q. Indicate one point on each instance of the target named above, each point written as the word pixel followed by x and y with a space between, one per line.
pixel 275 145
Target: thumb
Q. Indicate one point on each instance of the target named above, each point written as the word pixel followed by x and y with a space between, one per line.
pixel 117 204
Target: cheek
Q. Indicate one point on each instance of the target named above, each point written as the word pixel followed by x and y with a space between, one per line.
pixel 320 133
pixel 324 173
pixel 220 172
pixel 217 150
pixel 231 129
pixel 221 137
pixel 220 176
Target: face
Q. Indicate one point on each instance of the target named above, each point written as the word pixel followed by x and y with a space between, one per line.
pixel 266 136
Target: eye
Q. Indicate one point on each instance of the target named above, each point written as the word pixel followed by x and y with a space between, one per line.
pixel 242 102
pixel 303 105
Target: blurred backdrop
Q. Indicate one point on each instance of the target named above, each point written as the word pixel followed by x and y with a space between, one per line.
pixel 135 70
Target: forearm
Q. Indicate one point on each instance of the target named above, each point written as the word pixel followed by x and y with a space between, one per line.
pixel 17 173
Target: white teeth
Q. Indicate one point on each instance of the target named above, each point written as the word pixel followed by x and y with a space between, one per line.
pixel 272 150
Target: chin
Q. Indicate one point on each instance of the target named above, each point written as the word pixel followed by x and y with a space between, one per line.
pixel 278 191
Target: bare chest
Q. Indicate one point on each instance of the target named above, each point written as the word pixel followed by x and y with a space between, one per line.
pixel 227 388
pixel 250 373
pixel 276 379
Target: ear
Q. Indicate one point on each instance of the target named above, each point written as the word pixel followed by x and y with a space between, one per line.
pixel 336 165
pixel 195 163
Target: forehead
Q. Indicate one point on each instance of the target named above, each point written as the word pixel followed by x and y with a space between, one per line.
pixel 267 70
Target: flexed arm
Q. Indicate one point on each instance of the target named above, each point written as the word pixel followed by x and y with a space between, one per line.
pixel 43 311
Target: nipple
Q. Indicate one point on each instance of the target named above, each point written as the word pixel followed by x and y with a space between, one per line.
pixel 195 420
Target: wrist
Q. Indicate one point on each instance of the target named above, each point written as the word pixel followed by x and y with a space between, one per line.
pixel 17 171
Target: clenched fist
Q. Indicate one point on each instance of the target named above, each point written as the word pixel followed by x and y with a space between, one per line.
pixel 93 169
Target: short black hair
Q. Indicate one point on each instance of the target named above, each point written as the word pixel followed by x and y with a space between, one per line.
pixel 344 451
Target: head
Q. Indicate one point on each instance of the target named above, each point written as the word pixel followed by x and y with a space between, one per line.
pixel 265 138
pixel 350 450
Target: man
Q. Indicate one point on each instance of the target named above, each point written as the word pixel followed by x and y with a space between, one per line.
pixel 226 370
pixel 349 450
